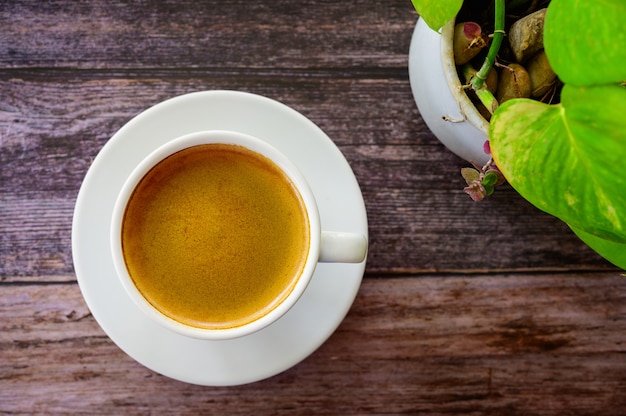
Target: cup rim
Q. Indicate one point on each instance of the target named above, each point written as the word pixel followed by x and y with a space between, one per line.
pixel 215 137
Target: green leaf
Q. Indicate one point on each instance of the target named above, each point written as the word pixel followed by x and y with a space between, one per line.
pixel 569 159
pixel 584 41
pixel 470 175
pixel 491 178
pixel 437 13
pixel 610 250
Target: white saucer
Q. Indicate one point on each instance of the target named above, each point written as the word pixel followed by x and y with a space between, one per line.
pixel 254 357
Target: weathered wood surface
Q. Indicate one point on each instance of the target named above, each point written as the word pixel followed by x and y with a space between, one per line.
pixel 420 219
pixel 465 309
pixel 518 344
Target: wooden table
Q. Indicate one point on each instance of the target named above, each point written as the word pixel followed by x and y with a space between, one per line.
pixel 465 308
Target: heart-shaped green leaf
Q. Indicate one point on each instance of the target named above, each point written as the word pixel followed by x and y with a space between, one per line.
pixel 585 41
pixel 610 250
pixel 568 159
pixel 437 13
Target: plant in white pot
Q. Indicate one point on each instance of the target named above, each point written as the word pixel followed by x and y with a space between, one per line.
pixel 566 157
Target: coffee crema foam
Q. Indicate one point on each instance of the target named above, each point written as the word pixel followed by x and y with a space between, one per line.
pixel 215 236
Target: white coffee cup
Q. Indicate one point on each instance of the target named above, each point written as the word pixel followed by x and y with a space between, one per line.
pixel 325 246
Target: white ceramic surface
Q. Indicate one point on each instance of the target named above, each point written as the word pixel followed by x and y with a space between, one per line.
pixel 447 110
pixel 269 351
pixel 296 177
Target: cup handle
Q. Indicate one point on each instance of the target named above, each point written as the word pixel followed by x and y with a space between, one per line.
pixel 339 247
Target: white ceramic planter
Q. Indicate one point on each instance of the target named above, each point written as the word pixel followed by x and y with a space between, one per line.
pixel 445 108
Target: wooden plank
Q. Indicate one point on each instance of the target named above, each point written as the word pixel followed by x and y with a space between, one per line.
pixel 185 33
pixel 53 125
pixel 548 344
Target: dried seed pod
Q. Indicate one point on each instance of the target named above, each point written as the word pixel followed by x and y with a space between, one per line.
pixel 468 42
pixel 526 35
pixel 514 82
pixel 541 75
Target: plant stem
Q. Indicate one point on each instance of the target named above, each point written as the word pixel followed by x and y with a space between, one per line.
pixel 498 35
pixel 484 95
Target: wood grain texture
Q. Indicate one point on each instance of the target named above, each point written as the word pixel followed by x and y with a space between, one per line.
pixel 205 34
pixel 469 309
pixel 420 220
pixel 548 344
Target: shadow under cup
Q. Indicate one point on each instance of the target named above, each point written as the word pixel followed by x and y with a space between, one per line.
pixel 215 235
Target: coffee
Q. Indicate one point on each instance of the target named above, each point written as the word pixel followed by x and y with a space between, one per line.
pixel 215 236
